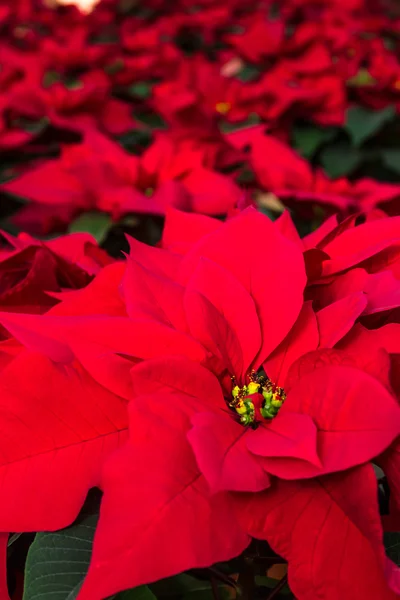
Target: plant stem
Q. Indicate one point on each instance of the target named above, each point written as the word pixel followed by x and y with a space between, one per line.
pixel 215 590
pixel 246 581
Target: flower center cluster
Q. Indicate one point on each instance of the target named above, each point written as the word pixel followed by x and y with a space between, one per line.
pixel 260 398
pixel 223 107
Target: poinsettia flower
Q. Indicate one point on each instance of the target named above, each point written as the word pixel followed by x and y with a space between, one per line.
pixel 65 53
pixel 386 339
pixel 148 48
pixel 358 258
pixel 199 443
pixel 30 270
pixel 250 44
pixel 360 286
pixel 87 98
pixel 190 404
pixel 292 179
pixel 99 175
pixel 199 88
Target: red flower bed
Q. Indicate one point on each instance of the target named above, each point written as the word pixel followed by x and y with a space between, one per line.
pixel 200 300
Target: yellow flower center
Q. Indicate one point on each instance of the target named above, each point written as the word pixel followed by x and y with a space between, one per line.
pixel 223 107
pixel 243 404
pixel 397 84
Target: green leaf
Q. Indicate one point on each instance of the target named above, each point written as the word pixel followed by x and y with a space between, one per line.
pixel 152 120
pixel 58 562
pixel 362 123
pixel 50 77
pixel 362 79
pixel 184 586
pixel 248 73
pixel 340 159
pixel 228 127
pixel 139 593
pixel 391 159
pixel 308 139
pixel 95 223
pixel 140 90
pixel 392 545
pixel 13 538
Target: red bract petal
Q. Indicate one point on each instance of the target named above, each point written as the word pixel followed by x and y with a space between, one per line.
pixel 287 228
pixel 219 444
pixel 288 435
pixel 153 486
pixel 152 296
pixel 49 184
pixel 382 290
pixel 356 418
pixel 316 237
pixel 374 351
pixel 53 336
pixel 359 243
pixel 232 301
pixel 179 374
pixel 100 297
pixel 3 567
pixel 155 259
pixel 390 463
pixel 34 335
pixel 211 328
pixel 335 320
pixel 393 576
pixel 314 259
pixel 328 529
pixel 182 230
pixel 35 273
pixel 303 338
pixel 58 427
pixel 107 368
pixel 213 193
pixel 270 267
pixel 287 171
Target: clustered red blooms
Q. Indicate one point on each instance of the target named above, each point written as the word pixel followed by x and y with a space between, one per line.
pixel 235 381
pixel 224 83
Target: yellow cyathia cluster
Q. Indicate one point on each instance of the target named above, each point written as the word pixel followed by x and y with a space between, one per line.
pixel 242 403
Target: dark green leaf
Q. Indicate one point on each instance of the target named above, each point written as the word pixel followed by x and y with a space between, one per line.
pixel 50 77
pixel 361 79
pixel 391 159
pixel 95 223
pixel 140 90
pixel 392 545
pixel 184 586
pixel 13 538
pixel 248 73
pixel 58 562
pixel 340 159
pixel 227 127
pixel 139 593
pixel 362 123
pixel 136 137
pixel 115 67
pixel 152 120
pixel 308 139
